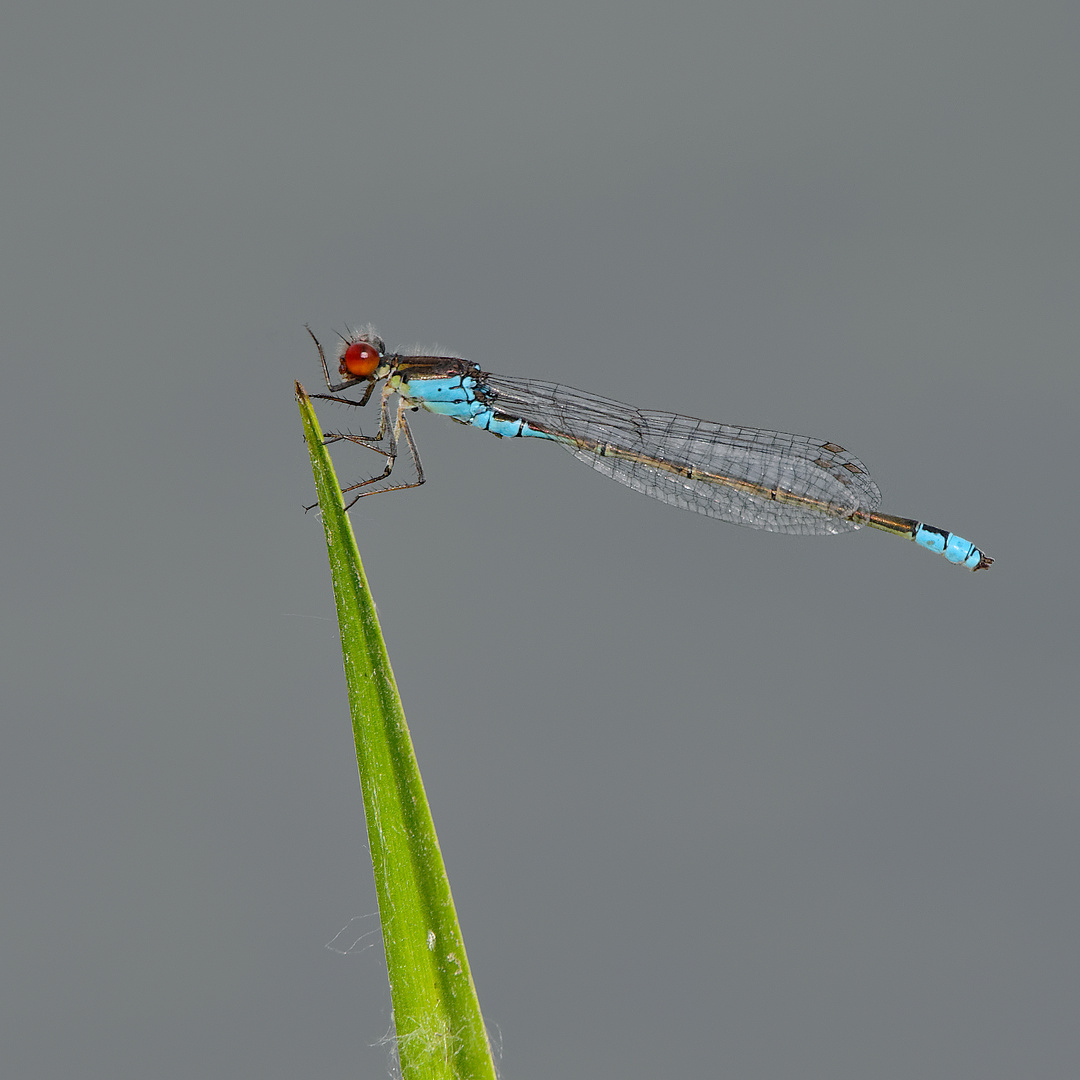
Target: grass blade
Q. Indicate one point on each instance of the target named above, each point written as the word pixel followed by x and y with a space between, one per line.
pixel 439 1029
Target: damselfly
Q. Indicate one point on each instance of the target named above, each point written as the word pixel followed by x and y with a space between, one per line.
pixel 749 476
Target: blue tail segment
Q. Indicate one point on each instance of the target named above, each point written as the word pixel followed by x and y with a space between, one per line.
pixel 955 548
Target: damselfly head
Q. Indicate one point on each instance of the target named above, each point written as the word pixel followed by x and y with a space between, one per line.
pixel 360 353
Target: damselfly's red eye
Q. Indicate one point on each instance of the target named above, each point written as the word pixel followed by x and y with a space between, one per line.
pixel 360 359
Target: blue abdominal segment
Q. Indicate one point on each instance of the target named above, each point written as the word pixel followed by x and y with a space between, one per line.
pixel 955 548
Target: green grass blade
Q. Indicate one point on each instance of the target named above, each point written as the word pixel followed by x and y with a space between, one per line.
pixel 440 1032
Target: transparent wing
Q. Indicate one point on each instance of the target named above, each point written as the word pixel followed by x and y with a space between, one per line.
pixel 749 476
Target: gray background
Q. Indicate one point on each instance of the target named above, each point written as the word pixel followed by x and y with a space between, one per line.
pixel 713 802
